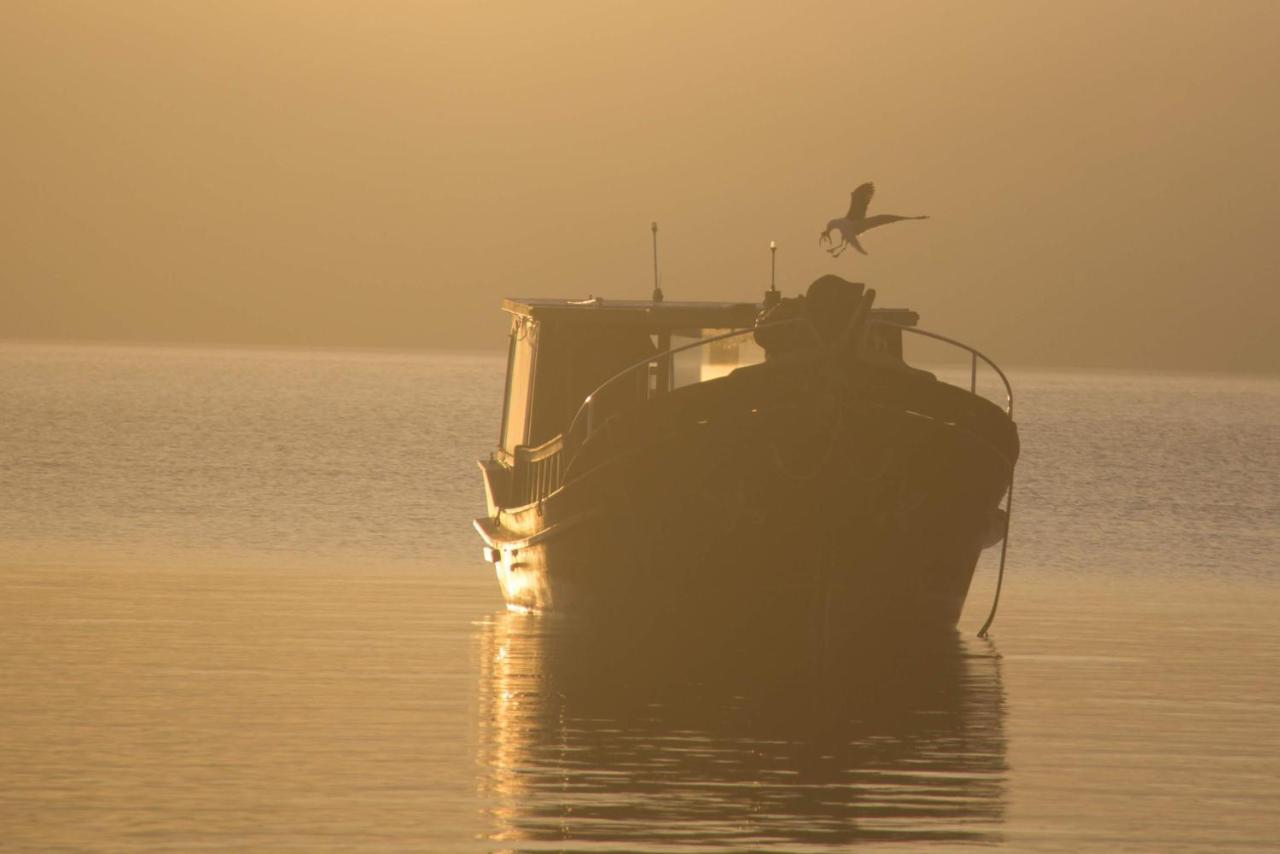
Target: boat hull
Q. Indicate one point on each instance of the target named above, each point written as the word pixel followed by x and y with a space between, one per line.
pixel 863 501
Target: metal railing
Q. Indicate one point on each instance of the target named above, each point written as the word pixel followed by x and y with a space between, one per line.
pixel 587 409
pixel 974 356
pixel 537 471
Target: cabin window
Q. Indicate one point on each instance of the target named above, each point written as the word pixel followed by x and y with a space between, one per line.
pixel 723 352
pixel 720 358
pixel 515 409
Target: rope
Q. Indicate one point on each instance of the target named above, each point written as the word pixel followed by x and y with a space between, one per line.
pixel 1004 550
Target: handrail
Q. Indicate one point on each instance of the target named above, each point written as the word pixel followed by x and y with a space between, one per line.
pixel 536 453
pixel 974 354
pixel 588 402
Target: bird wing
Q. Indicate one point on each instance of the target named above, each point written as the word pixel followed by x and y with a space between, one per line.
pixel 859 199
pixel 884 219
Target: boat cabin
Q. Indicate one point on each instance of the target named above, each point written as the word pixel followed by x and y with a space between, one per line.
pixel 563 350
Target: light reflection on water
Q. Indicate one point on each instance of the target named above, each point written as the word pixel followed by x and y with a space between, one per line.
pixel 585 742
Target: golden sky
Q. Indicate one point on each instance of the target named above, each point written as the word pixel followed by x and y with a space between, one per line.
pixel 1103 177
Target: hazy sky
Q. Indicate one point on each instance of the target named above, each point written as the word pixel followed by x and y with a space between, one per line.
pixel 1103 177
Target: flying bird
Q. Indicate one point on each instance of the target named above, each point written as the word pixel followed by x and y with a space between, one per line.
pixel 856 221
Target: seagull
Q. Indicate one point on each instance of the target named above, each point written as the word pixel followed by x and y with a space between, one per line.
pixel 856 221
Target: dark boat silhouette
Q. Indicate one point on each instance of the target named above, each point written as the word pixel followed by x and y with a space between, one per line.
pixel 646 469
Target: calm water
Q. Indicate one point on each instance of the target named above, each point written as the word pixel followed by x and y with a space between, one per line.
pixel 241 606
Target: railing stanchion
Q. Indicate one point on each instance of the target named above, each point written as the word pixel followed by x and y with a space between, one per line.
pixel 973 373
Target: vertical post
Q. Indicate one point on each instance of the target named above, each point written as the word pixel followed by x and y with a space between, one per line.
pixel 771 296
pixel 657 288
pixel 591 412
pixel 664 364
pixel 973 373
pixel 773 266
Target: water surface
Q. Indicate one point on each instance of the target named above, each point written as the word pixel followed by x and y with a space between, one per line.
pixel 241 607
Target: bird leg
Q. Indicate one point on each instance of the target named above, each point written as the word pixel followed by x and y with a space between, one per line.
pixel 839 250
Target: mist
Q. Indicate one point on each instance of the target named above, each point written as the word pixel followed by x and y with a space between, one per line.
pixel 1101 177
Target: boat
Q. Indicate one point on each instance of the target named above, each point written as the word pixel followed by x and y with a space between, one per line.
pixel 750 461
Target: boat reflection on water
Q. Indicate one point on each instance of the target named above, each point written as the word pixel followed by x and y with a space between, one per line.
pixel 590 737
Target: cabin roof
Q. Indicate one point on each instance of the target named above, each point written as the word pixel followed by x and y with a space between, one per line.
pixel 661 315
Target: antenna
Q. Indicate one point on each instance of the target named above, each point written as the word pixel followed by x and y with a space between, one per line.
pixel 657 288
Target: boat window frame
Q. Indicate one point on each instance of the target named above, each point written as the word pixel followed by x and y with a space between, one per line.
pixel 523 328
